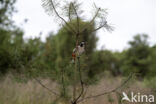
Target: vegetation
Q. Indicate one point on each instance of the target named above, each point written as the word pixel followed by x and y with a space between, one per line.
pixel 32 58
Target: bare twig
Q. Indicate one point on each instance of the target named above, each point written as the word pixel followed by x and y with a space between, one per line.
pixel 85 91
pixel 63 82
pixel 46 87
pixel 39 82
pixel 111 91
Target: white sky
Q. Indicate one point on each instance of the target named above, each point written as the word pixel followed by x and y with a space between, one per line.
pixel 129 17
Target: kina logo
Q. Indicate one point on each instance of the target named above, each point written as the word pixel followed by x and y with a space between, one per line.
pixel 137 97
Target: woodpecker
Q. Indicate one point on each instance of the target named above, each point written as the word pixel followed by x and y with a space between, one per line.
pixel 78 51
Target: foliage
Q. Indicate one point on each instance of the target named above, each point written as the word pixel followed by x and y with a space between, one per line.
pixel 59 47
pixel 137 57
pixel 6 11
pixel 33 58
pixel 150 76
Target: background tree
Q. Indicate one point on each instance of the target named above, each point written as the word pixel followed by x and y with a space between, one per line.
pixel 11 37
pixel 137 57
pixel 150 76
pixel 6 11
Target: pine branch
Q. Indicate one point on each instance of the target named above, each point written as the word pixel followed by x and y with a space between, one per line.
pixel 77 18
pixel 107 27
pixel 62 18
pixel 81 82
pixel 92 21
pixel 69 11
pixel 51 4
pixel 98 28
pixel 78 22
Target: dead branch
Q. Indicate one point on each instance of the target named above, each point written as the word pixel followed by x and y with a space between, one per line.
pixel 46 87
pixel 111 91
pixel 85 91
pixel 39 82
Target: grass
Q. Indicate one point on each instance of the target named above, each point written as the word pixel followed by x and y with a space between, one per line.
pixel 12 92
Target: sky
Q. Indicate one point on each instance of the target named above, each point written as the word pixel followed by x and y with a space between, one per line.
pixel 129 17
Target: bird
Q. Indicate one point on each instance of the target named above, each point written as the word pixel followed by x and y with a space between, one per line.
pixel 78 51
